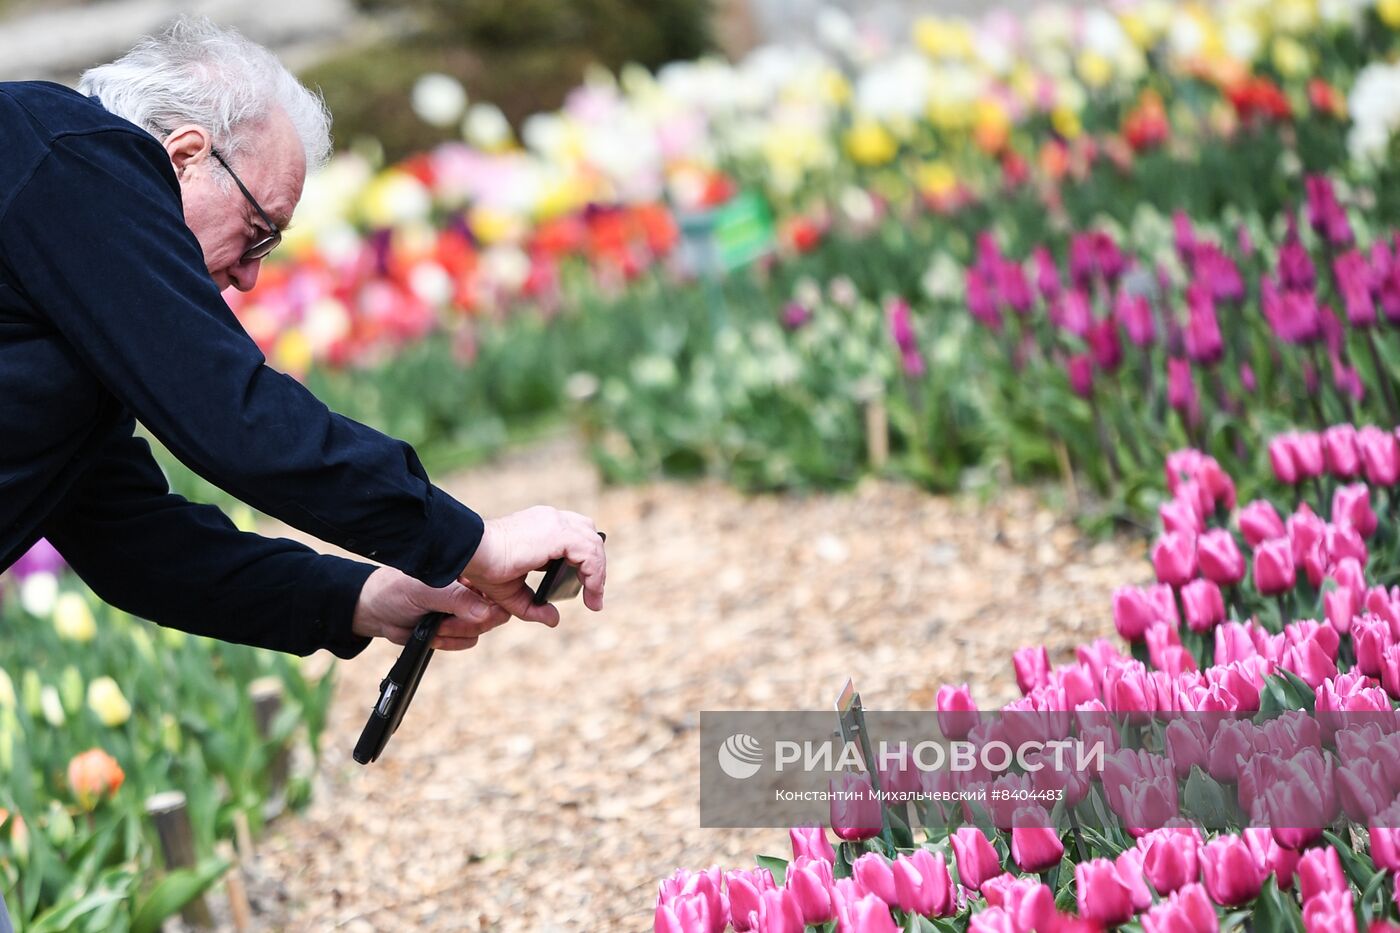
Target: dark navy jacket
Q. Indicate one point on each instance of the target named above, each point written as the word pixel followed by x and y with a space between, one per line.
pixel 107 316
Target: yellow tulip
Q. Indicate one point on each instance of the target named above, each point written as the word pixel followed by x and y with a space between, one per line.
pixel 105 699
pixel 73 619
pixel 292 353
pixel 52 707
pixel 491 225
pixel 1290 58
pixel 936 179
pixel 869 143
pixel 1389 12
pixel 1066 122
pixel 834 87
pixel 1096 70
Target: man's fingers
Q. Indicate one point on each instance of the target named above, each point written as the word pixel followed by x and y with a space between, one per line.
pixel 587 552
pixel 442 643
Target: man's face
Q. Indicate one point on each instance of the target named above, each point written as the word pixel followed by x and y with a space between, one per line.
pixel 222 219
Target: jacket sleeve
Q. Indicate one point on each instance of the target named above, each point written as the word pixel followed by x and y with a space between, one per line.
pixel 97 240
pixel 186 566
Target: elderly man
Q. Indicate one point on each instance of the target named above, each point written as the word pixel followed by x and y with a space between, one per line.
pixel 125 209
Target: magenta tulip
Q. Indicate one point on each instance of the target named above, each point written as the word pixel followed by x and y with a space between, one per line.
pixel 1035 845
pixel 1205 606
pixel 1169 855
pixel 1274 572
pixel 875 875
pixel 811 841
pixel 1104 897
pixel 957 713
pixel 778 912
pixel 745 894
pixel 1329 912
pixel 1219 557
pixel 922 884
pixel 1032 664
pixel 974 857
pixel 1188 910
pixel 1385 839
pixel 869 914
pixel 1320 871
pixel 1174 558
pixel 1339 451
pixel 1351 505
pixel 1380 455
pixel 811 884
pixel 1232 875
pixel 855 810
pixel 1282 460
pixel 1260 521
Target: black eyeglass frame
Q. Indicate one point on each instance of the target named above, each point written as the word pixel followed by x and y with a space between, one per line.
pixel 267 244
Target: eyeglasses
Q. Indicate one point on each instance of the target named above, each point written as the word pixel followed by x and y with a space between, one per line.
pixel 267 244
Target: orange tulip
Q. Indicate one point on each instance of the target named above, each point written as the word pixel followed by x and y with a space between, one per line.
pixel 92 775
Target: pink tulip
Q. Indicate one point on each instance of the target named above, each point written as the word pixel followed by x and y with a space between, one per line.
pixel 811 884
pixel 1181 515
pixel 1340 452
pixel 922 884
pixel 746 889
pixel 1260 521
pixel 1320 872
pixel 1080 369
pixel 1104 897
pixel 1035 845
pixel 1282 461
pixel 1231 874
pixel 869 914
pixel 1351 505
pixel 1380 455
pixel 1169 856
pixel 1135 610
pixel 1273 567
pixel 1271 857
pixel 1188 910
pixel 1219 557
pixel 1205 606
pixel 855 810
pixel 1181 390
pixel 1186 746
pixel 875 875
pixel 1032 664
pixel 1363 789
pixel 1385 839
pixel 1340 607
pixel 1129 867
pixel 993 920
pixel 1330 912
pixel 957 713
pixel 1370 635
pixel 696 902
pixel 778 912
pixel 811 841
pixel 975 858
pixel 1308 454
pixel 1174 558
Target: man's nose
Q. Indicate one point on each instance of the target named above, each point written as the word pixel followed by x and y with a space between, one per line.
pixel 244 275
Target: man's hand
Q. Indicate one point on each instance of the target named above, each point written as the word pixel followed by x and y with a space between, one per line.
pixel 391 603
pixel 513 546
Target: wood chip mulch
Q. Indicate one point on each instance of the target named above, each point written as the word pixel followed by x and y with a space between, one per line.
pixel 547 780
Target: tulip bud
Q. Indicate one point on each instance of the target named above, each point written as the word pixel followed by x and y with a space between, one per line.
pixel 1231 874
pixel 811 841
pixel 1260 521
pixel 1274 572
pixel 1219 557
pixel 1035 845
pixel 957 713
pixel 1174 558
pixel 974 857
pixel 73 619
pixel 92 775
pixel 1351 505
pixel 1380 456
pixel 1205 606
pixel 1104 897
pixel 811 883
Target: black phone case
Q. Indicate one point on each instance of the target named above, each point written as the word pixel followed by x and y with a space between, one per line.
pixel 397 689
pixel 550 587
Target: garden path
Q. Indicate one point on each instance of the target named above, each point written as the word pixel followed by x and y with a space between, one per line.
pixel 547 780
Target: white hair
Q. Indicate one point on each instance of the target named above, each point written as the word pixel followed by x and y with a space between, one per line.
pixel 198 72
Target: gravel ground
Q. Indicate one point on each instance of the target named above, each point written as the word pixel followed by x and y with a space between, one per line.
pixel 547 780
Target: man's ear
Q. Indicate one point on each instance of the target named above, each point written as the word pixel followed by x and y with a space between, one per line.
pixel 188 147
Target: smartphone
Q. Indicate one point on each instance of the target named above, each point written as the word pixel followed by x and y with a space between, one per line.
pixel 560 581
pixel 397 689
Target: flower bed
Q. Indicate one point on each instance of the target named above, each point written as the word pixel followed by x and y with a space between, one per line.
pixel 98 712
pixel 1268 717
